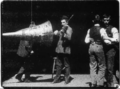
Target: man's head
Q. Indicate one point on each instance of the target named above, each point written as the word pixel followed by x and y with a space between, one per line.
pixel 106 19
pixel 64 21
pixel 96 19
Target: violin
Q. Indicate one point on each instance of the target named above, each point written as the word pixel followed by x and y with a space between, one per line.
pixel 62 32
pixel 64 29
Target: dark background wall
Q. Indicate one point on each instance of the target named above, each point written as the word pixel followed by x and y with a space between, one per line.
pixel 16 15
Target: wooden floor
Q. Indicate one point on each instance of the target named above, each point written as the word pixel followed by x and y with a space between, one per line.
pixel 45 80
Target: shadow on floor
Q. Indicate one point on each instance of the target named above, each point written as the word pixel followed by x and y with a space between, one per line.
pixel 34 79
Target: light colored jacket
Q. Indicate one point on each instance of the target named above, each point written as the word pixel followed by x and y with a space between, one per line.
pixel 60 48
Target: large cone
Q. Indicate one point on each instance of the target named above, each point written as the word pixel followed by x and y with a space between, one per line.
pixel 42 32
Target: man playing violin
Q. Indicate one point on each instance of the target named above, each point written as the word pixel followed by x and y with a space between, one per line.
pixel 63 50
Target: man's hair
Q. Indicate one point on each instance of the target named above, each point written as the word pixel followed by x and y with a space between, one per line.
pixel 106 16
pixel 64 17
pixel 96 19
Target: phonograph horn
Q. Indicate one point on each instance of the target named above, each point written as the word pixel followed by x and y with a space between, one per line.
pixel 42 32
pixel 37 30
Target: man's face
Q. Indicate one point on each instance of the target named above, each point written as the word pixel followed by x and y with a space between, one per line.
pixel 106 20
pixel 64 22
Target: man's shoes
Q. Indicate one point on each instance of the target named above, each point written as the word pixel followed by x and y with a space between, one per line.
pixel 19 77
pixel 100 85
pixel 105 84
pixel 56 80
pixel 67 80
pixel 94 85
pixel 110 84
pixel 27 80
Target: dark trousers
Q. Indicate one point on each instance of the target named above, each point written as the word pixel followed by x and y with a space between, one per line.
pixel 110 65
pixel 26 67
pixel 97 64
pixel 62 61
